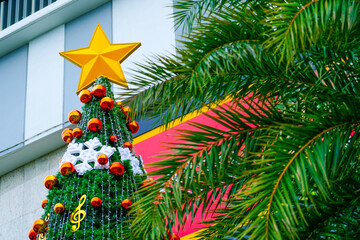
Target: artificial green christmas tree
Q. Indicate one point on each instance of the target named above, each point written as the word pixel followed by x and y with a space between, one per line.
pixel 91 196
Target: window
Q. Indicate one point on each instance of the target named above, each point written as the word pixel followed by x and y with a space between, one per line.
pixel 12 11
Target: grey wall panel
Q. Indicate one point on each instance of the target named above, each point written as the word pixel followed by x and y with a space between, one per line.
pixel 78 34
pixel 13 70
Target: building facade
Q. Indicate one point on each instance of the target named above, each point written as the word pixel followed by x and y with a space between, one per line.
pixel 38 86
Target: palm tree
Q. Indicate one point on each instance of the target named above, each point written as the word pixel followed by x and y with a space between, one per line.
pixel 285 164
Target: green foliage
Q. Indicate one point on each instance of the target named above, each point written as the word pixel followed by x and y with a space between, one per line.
pixel 284 161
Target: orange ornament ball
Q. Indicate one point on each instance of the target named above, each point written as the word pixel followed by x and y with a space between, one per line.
pixel 74 116
pixel 117 169
pixel 67 169
pixel 174 237
pixel 102 159
pixel 133 127
pixel 77 133
pixel 59 208
pixel 126 204
pixel 43 203
pixel 113 138
pixel 128 145
pixel 128 112
pixel 148 182
pixel 85 96
pixel 106 103
pixel 32 234
pixel 50 181
pixel 99 91
pixel 94 125
pixel 96 202
pixel 120 104
pixel 67 135
pixel 40 226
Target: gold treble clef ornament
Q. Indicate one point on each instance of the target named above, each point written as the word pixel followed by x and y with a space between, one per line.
pixel 42 236
pixel 78 215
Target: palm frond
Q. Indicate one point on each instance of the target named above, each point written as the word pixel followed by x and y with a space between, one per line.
pixel 299 26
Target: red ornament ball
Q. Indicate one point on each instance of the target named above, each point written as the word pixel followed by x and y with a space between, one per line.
pixel 174 237
pixel 96 202
pixel 94 125
pixel 126 204
pixel 77 133
pixel 74 116
pixel 67 135
pixel 128 145
pixel 99 91
pixel 59 208
pixel 85 96
pixel 106 103
pixel 113 138
pixel 40 226
pixel 133 127
pixel 102 159
pixel 32 234
pixel 50 181
pixel 43 203
pixel 117 169
pixel 128 112
pixel 67 169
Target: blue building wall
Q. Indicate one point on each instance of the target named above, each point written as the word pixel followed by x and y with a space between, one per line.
pixel 13 71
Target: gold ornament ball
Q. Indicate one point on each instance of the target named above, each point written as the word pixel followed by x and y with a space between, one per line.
pixel 67 135
pixel 148 182
pixel 106 103
pixel 126 204
pixel 59 208
pixel 77 133
pixel 99 91
pixel 96 202
pixel 74 116
pixel 94 125
pixel 120 105
pixel 40 226
pixel 139 212
pixel 117 169
pixel 128 145
pixel 50 181
pixel 174 237
pixel 133 127
pixel 102 159
pixel 128 112
pixel 85 96
pixel 43 203
pixel 67 169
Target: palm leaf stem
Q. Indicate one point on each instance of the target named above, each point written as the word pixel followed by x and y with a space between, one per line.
pixel 291 161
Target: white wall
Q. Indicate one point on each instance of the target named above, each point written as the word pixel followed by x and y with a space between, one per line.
pixel 44 96
pixel 145 21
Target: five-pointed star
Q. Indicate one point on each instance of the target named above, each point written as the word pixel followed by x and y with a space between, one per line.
pixel 100 58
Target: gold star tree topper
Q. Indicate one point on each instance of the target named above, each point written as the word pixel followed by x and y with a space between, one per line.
pixel 100 58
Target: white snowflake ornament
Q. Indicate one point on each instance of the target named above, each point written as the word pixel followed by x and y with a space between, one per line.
pixel 135 164
pixel 134 161
pixel 124 153
pixel 75 153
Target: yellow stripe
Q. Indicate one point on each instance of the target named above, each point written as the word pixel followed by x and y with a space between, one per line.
pixel 192 236
pixel 178 121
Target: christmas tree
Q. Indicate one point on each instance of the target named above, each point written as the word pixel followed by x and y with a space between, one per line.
pixel 91 195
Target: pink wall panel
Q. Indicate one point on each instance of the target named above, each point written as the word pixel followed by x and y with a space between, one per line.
pixel 155 145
